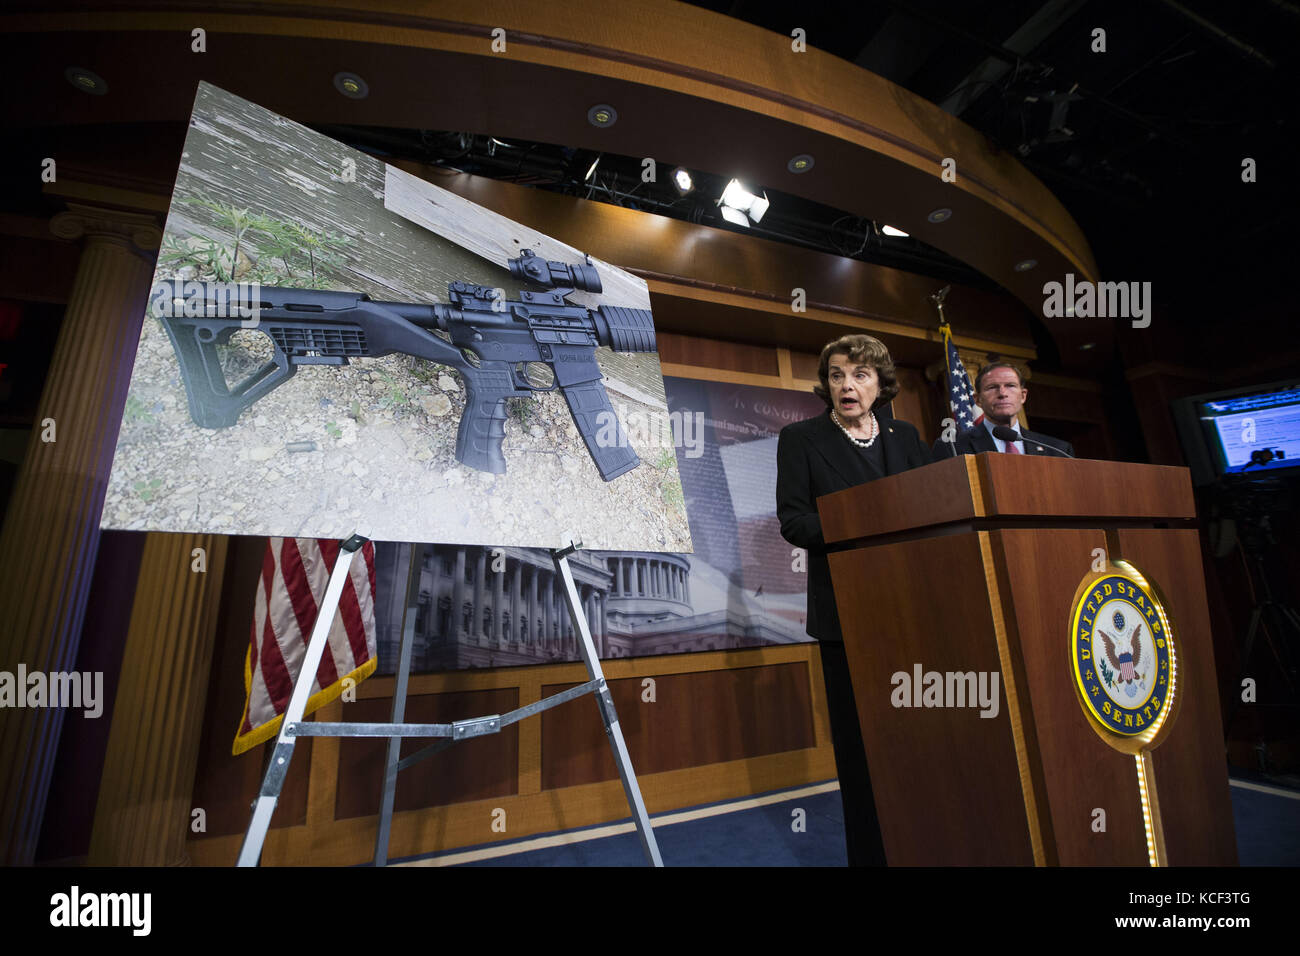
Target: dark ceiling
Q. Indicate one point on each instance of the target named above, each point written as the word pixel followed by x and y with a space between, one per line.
pixel 1143 142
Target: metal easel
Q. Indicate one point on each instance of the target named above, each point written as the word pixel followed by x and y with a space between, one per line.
pixel 293 726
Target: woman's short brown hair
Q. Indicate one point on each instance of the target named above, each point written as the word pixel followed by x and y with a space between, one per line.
pixel 861 350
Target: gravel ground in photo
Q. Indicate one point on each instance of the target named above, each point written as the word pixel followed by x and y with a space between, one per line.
pixel 382 434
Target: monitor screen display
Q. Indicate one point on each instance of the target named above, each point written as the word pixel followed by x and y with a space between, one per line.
pixel 1252 433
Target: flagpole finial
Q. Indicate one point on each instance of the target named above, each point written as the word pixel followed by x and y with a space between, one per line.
pixel 937 298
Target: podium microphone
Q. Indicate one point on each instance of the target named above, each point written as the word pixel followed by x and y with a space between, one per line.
pixel 1010 434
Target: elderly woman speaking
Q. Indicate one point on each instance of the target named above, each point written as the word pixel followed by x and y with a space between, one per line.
pixel 846 446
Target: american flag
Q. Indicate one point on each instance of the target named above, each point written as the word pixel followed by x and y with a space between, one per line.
pixel 295 573
pixel 961 397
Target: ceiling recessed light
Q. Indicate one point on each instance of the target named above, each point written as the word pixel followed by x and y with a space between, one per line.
pixel 940 215
pixel 1024 265
pixel 351 86
pixel 801 163
pixel 85 80
pixel 602 115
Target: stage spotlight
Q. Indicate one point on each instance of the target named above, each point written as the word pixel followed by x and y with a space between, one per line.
pixel 892 231
pixel 682 181
pixel 734 215
pixel 741 206
pixel 591 170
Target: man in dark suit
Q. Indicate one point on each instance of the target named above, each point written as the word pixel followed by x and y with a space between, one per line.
pixel 1000 393
pixel 850 444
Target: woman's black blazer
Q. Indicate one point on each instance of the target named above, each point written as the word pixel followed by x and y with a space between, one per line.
pixel 814 458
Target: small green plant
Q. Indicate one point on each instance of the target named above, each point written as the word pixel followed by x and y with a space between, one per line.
pixel 354 412
pixel 147 489
pixel 136 410
pixel 236 221
pixel 175 254
pixel 323 249
pixel 334 431
pixel 279 244
pixel 395 397
pixel 670 486
pixel 263 241
pixel 206 256
pixel 523 409
pixel 671 489
pixel 421 370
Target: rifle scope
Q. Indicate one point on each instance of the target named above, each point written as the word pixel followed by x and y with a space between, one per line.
pixel 554 274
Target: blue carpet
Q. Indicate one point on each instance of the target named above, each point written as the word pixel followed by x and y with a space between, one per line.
pixel 1267 826
pixel 761 836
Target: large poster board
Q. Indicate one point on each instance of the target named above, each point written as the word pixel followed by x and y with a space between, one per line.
pixel 336 346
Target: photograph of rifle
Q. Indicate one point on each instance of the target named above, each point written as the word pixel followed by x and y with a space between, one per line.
pixel 489 340
pixel 333 344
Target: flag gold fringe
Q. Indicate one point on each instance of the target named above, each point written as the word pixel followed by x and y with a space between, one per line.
pixel 263 733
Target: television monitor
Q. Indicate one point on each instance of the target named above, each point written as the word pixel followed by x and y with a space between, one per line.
pixel 1242 433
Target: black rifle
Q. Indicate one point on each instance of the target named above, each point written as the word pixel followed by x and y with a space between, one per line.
pixel 486 338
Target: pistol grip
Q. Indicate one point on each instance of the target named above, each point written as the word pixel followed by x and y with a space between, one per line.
pixel 483 424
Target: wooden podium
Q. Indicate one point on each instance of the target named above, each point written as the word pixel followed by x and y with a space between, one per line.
pixel 973 564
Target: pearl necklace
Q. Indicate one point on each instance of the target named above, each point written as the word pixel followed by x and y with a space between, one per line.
pixel 860 442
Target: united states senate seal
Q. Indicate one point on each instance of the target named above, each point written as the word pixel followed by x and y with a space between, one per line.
pixel 1122 656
